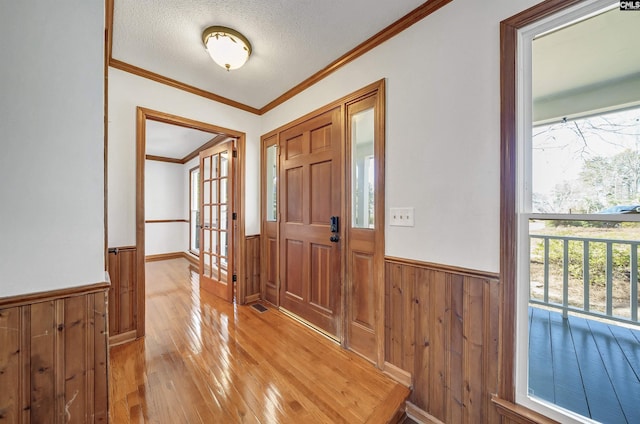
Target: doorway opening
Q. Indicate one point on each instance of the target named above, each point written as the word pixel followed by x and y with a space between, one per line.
pixel 218 136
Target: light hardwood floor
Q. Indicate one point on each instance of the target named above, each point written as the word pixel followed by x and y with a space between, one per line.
pixel 207 361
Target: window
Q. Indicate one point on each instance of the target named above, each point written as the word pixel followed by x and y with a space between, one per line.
pixel 577 216
pixel 587 165
pixel 194 210
pixel 271 194
pixel 362 168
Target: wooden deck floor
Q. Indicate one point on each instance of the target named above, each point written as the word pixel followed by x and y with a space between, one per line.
pixel 584 365
pixel 207 361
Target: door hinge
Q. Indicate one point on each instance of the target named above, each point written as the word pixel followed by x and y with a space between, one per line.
pixel 234 216
pixel 235 153
pixel 234 278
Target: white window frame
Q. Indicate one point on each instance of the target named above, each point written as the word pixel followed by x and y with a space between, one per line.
pixel 524 126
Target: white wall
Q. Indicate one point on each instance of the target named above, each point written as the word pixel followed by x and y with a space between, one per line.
pixel 51 127
pixel 126 92
pixel 442 129
pixel 166 198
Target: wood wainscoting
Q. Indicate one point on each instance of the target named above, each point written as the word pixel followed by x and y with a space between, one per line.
pixel 53 356
pixel 123 295
pixel 252 268
pixel 441 327
pixel 512 413
pixel 171 255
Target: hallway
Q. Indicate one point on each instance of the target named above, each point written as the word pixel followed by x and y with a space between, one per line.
pixel 204 360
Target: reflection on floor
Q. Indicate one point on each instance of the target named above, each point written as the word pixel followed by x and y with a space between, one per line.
pixel 584 365
pixel 204 361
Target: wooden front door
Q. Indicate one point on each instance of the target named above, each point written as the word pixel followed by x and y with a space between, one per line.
pixel 311 181
pixel 216 220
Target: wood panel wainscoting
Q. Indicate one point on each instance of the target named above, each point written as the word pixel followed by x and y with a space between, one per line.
pixel 172 255
pixel 441 333
pixel 53 356
pixel 123 295
pixel 512 413
pixel 252 268
pixel 165 221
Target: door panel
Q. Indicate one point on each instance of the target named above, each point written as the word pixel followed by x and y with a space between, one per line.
pixel 269 227
pixel 365 257
pixel 293 147
pixel 216 262
pixel 320 284
pixel 363 306
pixel 311 181
pixel 294 194
pixel 293 284
pixel 123 292
pixel 321 188
pixel 321 139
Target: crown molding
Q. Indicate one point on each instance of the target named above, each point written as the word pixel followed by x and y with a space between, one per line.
pixel 123 66
pixel 416 15
pixel 390 31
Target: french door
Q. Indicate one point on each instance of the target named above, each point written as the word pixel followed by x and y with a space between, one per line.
pixel 216 220
pixel 310 246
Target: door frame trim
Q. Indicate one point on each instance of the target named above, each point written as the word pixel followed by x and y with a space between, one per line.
pixel 508 229
pixel 378 87
pixel 142 115
pixel 377 91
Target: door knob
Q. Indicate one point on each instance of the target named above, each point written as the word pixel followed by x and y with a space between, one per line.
pixel 334 238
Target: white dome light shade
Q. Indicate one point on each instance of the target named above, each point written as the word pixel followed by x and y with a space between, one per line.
pixel 227 47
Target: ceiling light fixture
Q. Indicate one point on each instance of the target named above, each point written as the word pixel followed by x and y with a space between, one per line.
pixel 226 46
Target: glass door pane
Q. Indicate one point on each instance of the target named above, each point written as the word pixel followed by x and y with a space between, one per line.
pixel 362 165
pixel 271 181
pixel 217 207
pixel 194 210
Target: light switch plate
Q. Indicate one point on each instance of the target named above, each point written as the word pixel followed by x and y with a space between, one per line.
pixel 401 217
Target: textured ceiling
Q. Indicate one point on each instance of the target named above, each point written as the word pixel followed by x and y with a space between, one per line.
pixel 294 39
pixel 291 39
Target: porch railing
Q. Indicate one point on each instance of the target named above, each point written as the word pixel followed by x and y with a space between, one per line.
pixel 587 245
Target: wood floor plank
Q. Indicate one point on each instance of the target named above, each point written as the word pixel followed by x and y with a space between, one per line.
pixel 204 360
